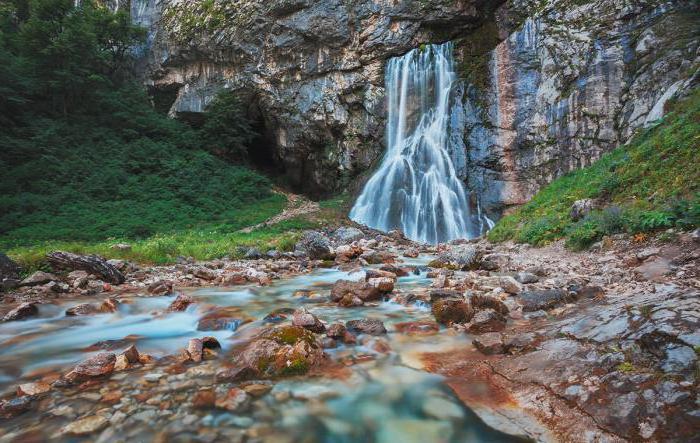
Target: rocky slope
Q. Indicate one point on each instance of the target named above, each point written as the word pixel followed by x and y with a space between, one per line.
pixel 550 85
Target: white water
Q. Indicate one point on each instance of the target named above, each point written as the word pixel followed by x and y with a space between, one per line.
pixel 416 188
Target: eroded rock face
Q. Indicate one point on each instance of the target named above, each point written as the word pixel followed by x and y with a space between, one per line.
pixel 550 86
pixel 311 71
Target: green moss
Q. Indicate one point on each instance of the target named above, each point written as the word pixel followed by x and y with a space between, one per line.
pixel 290 335
pixel 651 184
pixel 625 367
pixel 297 365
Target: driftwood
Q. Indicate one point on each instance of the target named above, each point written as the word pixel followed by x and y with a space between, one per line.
pixel 92 264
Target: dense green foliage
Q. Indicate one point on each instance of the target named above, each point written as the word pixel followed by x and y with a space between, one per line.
pixel 227 131
pixel 650 184
pixel 84 155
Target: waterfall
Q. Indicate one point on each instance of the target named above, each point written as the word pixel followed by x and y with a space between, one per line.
pixel 416 188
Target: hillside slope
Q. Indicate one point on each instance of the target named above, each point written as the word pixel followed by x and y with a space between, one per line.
pixel 650 184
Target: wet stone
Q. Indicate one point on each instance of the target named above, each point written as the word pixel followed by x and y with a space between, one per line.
pixel 490 343
pixel 24 310
pixel 487 320
pixel 366 326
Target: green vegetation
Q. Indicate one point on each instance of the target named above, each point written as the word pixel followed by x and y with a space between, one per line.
pixel 87 162
pixel 653 183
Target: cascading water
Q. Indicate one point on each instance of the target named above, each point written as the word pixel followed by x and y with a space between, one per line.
pixel 416 188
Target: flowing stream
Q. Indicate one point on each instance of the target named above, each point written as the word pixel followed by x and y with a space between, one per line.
pixel 384 396
pixel 416 188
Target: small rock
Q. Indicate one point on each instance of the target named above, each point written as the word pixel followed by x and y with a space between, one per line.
pixel 194 347
pixel 314 245
pixel 487 320
pixel 347 234
pixel 384 284
pixel 121 247
pixel 581 208
pixel 180 303
pixel 307 320
pixel 83 309
pixel 526 278
pixel 204 273
pixel 86 426
pixel 257 389
pixel 160 287
pixel 490 343
pixel 543 299
pixel 336 331
pixel 16 406
pixel 231 399
pixel 38 278
pixel 33 388
pixel 204 399
pixel 366 326
pixel 361 290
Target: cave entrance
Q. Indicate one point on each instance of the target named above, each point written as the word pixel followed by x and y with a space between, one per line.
pixel 262 152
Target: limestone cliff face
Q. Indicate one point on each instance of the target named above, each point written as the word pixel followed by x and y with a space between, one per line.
pixel 573 81
pixel 311 71
pixel 550 85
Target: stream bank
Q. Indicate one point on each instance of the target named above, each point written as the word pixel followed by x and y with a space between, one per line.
pixel 542 344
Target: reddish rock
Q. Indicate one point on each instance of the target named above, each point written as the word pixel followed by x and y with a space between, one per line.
pixel 109 305
pixel 22 311
pixel 233 399
pixel 16 406
pixel 449 311
pixel 350 301
pixel 96 366
pixel 384 284
pixel 396 270
pixel 361 290
pixel 418 328
pixel 366 326
pixel 336 331
pixel 204 399
pixel 180 303
pixel 112 397
pixel 131 354
pixel 33 388
pixel 160 287
pixel 83 309
pixel 378 273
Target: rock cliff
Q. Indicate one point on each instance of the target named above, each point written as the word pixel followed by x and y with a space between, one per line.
pixel 548 85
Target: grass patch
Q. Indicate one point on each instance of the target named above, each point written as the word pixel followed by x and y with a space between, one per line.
pixel 653 183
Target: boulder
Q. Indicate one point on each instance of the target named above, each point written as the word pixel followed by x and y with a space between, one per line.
pixel 487 320
pixel 479 302
pixel 449 311
pixel 378 273
pixel 38 278
pixel 490 343
pixel 347 234
pixel 507 283
pixel 581 208
pixel 275 352
pixel 92 264
pixel 397 271
pixel 543 299
pixel 279 315
pixel 96 366
pixel 24 310
pixel 160 287
pixel 180 303
pixel 204 273
pixel 194 348
pixel 360 290
pixel 526 278
pixel 336 331
pixel 83 309
pixel 384 284
pixel 442 294
pixel 463 257
pixel 366 326
pixel 314 245
pixel 307 320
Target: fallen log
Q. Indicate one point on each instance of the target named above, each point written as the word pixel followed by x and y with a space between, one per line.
pixel 92 264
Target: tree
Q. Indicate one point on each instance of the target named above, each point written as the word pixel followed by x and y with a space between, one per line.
pixel 226 130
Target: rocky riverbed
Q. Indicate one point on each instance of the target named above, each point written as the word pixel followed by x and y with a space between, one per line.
pixel 359 336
